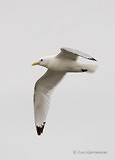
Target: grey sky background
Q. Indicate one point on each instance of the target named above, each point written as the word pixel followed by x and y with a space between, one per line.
pixel 81 115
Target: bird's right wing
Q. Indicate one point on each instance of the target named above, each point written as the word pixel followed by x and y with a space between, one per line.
pixel 68 53
pixel 42 93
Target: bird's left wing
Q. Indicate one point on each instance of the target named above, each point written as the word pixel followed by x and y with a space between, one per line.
pixel 68 53
pixel 42 93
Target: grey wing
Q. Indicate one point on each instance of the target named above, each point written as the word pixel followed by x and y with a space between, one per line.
pixel 73 54
pixel 42 92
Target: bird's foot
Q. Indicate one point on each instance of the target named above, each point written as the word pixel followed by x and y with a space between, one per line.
pixel 84 70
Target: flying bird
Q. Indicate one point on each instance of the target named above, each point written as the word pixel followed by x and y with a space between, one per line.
pixel 57 66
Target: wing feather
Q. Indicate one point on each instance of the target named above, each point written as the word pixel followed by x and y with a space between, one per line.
pixel 42 92
pixel 73 54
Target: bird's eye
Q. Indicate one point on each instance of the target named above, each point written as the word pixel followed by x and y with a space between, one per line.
pixel 41 59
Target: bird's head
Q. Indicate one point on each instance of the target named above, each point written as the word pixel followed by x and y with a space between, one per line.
pixel 42 62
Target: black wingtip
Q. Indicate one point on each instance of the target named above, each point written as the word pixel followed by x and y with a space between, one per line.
pixel 40 129
pixel 93 59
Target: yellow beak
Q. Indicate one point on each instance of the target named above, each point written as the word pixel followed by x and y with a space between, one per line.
pixel 36 63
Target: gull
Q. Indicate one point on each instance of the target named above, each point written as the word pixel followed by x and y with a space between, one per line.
pixel 57 66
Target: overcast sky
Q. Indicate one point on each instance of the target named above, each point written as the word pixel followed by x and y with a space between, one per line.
pixel 82 110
